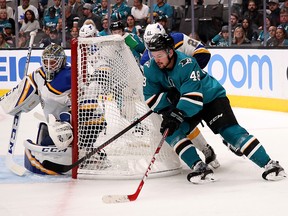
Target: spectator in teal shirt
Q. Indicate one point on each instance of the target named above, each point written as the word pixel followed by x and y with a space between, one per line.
pixel 120 11
pixel 221 39
pixel 163 8
pixel 105 25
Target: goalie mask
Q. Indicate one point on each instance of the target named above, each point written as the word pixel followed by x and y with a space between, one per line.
pixel 88 30
pixel 53 60
pixel 151 30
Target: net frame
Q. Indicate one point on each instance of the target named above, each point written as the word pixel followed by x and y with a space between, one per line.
pixel 168 163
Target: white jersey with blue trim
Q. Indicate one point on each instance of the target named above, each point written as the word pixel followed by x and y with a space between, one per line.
pixel 185 44
pixel 55 96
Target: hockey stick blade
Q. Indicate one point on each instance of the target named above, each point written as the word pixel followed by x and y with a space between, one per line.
pixel 126 198
pixel 123 198
pixel 14 167
pixel 115 199
pixel 60 168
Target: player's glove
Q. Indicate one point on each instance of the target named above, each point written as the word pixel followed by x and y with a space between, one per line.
pixel 172 120
pixel 173 96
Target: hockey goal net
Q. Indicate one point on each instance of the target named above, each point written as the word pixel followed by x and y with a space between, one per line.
pixel 106 98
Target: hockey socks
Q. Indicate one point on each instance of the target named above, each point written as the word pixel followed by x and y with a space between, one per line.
pixel 186 151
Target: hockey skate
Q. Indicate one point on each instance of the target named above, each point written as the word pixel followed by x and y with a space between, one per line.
pixel 273 171
pixel 98 161
pixel 201 173
pixel 210 157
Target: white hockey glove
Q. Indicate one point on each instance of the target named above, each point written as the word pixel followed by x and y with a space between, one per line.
pixel 60 132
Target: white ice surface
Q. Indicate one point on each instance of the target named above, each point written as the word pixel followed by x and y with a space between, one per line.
pixel 239 191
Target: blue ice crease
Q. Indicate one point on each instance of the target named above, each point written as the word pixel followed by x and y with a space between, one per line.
pixel 8 177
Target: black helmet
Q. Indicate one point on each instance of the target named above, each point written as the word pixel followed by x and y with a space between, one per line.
pixel 161 42
pixel 116 25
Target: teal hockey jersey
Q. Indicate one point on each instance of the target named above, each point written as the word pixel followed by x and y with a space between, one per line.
pixel 196 87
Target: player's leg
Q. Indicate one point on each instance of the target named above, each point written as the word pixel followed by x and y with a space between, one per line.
pixel 253 149
pixel 201 144
pixel 91 123
pixel 195 135
pixel 221 120
pixel 88 139
pixel 187 152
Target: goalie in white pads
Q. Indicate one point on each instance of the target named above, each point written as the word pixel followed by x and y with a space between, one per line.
pixel 52 85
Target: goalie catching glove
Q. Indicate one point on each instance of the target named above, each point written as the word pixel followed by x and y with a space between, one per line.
pixel 171 120
pixel 60 132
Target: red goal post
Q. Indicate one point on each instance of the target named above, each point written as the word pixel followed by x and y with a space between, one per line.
pixel 106 94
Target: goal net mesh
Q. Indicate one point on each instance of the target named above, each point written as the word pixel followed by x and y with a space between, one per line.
pixel 110 98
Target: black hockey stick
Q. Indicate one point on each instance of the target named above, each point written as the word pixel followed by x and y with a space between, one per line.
pixel 60 168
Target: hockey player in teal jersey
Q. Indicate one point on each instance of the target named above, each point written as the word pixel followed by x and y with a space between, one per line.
pixel 201 98
pixel 196 49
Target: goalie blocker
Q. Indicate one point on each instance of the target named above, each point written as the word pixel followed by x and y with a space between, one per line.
pixel 22 98
pixel 35 154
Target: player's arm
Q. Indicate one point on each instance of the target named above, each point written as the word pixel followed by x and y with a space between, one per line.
pixel 191 100
pixel 140 48
pixel 22 98
pixel 145 57
pixel 154 94
pixel 196 49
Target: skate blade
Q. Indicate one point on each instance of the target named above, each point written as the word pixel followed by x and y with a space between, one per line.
pixel 203 180
pixel 273 177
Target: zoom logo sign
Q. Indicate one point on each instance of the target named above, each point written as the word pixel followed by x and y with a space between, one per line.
pixel 250 71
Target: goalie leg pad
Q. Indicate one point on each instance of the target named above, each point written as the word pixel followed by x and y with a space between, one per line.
pixel 36 154
pixel 43 137
pixel 42 132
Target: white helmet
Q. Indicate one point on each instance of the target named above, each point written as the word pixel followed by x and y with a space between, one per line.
pixel 88 30
pixel 151 30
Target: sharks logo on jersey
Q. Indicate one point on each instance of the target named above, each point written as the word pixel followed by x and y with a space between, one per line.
pixel 185 61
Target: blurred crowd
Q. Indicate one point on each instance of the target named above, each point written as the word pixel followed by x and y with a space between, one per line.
pixel 56 21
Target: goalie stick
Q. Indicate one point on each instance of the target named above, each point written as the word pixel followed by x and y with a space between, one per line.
pixel 133 197
pixel 60 168
pixel 10 163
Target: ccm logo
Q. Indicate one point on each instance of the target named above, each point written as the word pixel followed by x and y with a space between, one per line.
pixel 53 150
pixel 215 118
